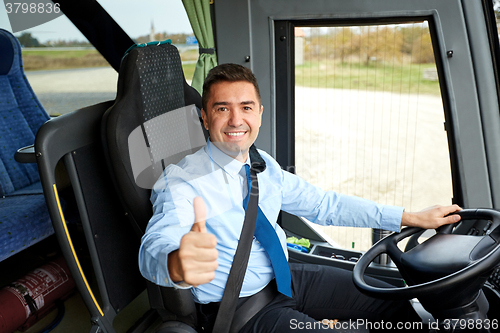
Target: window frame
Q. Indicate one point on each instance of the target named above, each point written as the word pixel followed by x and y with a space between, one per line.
pixel 285 96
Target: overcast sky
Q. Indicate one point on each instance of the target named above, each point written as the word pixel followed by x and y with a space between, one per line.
pixel 132 15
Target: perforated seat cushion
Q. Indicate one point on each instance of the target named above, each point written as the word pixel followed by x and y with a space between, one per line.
pixel 24 220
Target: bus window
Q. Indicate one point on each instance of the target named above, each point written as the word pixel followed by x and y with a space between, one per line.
pixel 66 72
pixel 369 118
pixel 66 78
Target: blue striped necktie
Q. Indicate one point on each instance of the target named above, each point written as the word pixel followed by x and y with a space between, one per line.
pixel 266 235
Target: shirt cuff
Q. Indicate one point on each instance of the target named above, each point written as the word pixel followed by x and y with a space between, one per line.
pixel 179 285
pixel 391 218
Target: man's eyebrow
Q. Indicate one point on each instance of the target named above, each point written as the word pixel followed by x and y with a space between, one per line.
pixel 227 103
pixel 219 103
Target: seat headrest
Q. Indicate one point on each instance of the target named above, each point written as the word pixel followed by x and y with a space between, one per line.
pixel 167 128
pixel 9 47
pixel 152 78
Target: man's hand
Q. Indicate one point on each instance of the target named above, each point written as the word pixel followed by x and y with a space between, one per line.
pixel 432 217
pixel 195 261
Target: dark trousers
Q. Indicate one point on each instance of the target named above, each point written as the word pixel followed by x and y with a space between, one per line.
pixel 322 292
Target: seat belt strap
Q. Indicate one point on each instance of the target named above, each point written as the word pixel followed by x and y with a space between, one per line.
pixel 240 262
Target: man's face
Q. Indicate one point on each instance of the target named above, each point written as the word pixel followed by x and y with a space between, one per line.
pixel 233 117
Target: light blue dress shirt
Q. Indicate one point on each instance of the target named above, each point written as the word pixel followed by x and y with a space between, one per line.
pixel 221 181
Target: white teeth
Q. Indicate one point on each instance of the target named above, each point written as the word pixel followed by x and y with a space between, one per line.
pixel 235 134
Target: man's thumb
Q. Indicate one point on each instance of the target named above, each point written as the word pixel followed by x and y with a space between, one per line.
pixel 200 215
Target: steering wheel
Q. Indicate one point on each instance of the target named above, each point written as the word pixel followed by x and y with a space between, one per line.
pixel 445 262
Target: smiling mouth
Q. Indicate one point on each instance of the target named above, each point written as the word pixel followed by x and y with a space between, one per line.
pixel 235 134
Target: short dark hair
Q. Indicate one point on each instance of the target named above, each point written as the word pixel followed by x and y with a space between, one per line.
pixel 227 73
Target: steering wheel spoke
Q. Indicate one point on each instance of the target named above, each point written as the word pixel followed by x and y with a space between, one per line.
pixel 394 252
pixel 447 228
pixel 392 249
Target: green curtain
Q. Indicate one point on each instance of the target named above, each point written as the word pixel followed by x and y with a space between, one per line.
pixel 198 12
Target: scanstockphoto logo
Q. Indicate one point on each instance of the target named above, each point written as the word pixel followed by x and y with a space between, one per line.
pixel 28 14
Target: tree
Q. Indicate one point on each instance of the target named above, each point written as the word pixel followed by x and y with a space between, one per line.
pixel 422 51
pixel 411 33
pixel 26 40
pixel 343 43
pixel 383 43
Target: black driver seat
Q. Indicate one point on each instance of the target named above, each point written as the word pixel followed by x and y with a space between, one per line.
pixel 151 84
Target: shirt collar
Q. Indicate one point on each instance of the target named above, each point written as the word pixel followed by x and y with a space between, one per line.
pixel 230 165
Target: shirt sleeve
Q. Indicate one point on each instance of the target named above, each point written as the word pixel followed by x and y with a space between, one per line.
pixel 331 208
pixel 172 211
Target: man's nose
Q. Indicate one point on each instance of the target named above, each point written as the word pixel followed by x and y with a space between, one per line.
pixel 235 118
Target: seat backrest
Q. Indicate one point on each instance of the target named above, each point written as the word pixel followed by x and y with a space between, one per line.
pixel 21 115
pixel 136 129
pixel 98 244
pixel 153 122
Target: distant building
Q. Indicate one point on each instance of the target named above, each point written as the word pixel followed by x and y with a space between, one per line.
pixel 152 33
pixel 299 46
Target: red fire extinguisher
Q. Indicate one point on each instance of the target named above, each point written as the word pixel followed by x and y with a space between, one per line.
pixel 29 297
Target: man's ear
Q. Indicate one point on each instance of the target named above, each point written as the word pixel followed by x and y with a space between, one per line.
pixel 260 114
pixel 204 117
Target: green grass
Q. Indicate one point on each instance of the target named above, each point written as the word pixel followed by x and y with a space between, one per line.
pixel 400 78
pixel 56 59
pixel 35 60
pixel 188 71
pixel 59 54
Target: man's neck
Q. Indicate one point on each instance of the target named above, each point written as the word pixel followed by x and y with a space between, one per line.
pixel 241 156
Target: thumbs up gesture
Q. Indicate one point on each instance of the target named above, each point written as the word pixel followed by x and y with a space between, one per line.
pixel 195 261
pixel 200 216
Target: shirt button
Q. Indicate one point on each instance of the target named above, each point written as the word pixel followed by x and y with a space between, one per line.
pixel 154 277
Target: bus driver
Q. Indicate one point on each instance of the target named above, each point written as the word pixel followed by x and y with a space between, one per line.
pixel 199 210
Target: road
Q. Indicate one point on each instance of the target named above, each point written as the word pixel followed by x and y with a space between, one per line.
pixel 63 91
pixel 389 147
